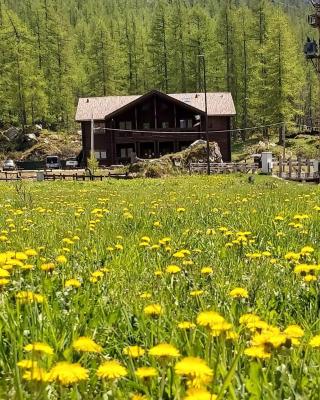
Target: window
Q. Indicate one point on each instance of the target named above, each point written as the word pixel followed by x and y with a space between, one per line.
pixel 100 154
pixel 186 123
pixel 126 152
pixel 165 125
pixel 125 125
pixel 183 123
pixel 146 125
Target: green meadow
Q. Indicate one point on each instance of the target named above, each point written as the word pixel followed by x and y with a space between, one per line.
pixel 188 288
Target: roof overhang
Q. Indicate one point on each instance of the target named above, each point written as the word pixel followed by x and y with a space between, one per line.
pixel 144 97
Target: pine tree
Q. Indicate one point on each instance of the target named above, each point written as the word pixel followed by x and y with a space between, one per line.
pixel 158 47
pixel 25 100
pixel 284 74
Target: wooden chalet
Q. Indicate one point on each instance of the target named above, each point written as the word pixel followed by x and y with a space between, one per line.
pixel 152 125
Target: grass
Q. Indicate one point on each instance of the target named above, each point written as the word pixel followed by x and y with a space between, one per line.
pixel 117 239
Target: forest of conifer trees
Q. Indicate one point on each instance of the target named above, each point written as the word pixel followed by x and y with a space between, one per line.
pixel 53 51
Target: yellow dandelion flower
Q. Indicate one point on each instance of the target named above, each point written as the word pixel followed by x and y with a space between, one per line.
pixel 67 373
pixel 179 254
pixel 4 273
pixel 315 342
pixel 257 352
pixel 206 270
pixel 72 283
pixel 146 372
pixel 193 366
pixel 97 274
pixel 231 335
pixel 173 269
pixel 294 331
pixel 133 351
pixel 4 281
pixel 239 293
pixel 61 259
pixel 39 347
pixel 145 295
pixel 27 364
pixel 111 370
pixel 29 297
pixel 21 256
pixel 272 337
pixel 164 350
pixel 27 267
pixel 309 278
pixel 307 250
pixel 138 396
pixel 47 267
pixel 209 318
pixel 186 325
pixel 153 310
pixel 196 293
pixel 85 344
pixel 36 374
pixel 218 328
pixel 158 273
pixel 31 253
pixel 199 394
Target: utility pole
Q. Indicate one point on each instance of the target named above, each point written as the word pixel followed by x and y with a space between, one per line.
pixel 202 56
pixel 92 137
pixel 283 128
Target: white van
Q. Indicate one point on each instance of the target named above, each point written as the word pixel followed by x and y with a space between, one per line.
pixel 53 162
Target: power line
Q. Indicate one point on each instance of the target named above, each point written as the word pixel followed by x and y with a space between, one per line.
pixel 188 132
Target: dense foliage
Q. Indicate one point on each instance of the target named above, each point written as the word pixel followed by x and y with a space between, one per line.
pixel 225 278
pixel 54 51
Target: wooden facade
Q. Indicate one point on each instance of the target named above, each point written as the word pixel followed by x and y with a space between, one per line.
pixel 151 126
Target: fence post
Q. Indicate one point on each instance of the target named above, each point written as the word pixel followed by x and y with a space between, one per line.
pixel 280 166
pixel 309 168
pixel 290 168
pixel 299 167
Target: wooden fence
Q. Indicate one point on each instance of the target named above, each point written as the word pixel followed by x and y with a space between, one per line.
pixel 16 176
pixel 223 168
pixel 297 170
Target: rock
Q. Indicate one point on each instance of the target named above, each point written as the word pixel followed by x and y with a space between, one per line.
pixel 39 127
pixel 4 138
pixel 13 133
pixel 197 142
pixel 30 138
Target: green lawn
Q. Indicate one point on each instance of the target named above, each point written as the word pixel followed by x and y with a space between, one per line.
pixel 125 263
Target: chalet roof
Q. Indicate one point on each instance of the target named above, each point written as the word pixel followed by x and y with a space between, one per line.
pixel 219 104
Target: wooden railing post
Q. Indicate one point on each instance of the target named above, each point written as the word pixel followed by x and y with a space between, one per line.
pixel 299 168
pixel 290 168
pixel 309 169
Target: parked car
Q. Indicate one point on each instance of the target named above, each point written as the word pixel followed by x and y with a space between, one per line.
pixel 72 163
pixel 53 162
pixel 9 165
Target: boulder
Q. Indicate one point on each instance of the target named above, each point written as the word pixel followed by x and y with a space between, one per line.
pixel 13 133
pixel 30 138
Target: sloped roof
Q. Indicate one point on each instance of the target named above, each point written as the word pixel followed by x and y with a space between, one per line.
pixel 98 108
